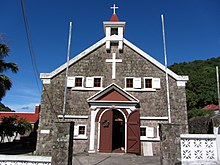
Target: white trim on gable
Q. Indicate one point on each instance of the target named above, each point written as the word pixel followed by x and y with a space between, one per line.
pixel 118 89
pixel 102 42
pixel 154 61
pixel 73 60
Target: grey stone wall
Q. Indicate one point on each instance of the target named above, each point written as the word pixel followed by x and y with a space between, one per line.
pixel 63 143
pixel 133 65
pixel 170 152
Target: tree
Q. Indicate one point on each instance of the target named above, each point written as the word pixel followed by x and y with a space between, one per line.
pixel 11 127
pixel 22 126
pixel 8 127
pixel 201 88
pixel 5 82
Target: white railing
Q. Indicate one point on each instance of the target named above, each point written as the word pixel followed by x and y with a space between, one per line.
pixel 199 149
pixel 24 160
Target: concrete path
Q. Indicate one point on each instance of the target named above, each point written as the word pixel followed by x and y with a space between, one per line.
pixel 114 159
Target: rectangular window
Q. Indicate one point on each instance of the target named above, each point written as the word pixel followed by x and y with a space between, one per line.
pixel 78 82
pixel 148 82
pixel 143 131
pixel 97 82
pixel 129 82
pixel 82 130
pixel 114 31
pixel 149 133
pixel 94 82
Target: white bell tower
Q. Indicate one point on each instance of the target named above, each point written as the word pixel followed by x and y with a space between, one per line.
pixel 114 30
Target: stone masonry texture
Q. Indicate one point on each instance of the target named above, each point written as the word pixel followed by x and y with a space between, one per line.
pixel 153 104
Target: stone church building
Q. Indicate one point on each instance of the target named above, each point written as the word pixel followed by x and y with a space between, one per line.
pixel 116 95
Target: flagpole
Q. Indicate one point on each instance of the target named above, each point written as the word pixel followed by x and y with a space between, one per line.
pixel 67 68
pixel 217 77
pixel 167 81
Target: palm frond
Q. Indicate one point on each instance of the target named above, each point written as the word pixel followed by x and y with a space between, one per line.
pixel 5 84
pixel 10 65
pixel 4 49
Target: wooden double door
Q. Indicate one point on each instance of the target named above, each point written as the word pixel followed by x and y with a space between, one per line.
pixel 116 135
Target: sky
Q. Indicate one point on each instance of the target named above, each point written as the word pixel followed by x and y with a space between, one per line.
pixel 192 30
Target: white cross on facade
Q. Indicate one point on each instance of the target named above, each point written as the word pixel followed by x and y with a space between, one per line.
pixel 114 61
pixel 114 8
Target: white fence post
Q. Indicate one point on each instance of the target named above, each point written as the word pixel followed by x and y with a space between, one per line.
pixel 218 147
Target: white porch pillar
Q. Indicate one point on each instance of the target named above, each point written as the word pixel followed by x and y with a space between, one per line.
pixel 92 132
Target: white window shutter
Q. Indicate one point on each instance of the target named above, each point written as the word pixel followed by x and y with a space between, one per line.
pixel 70 81
pixel 150 132
pixel 89 82
pixel 76 130
pixel 137 82
pixel 107 45
pixel 156 83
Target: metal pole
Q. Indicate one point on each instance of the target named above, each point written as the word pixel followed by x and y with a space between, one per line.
pixel 167 81
pixel 67 68
pixel 217 76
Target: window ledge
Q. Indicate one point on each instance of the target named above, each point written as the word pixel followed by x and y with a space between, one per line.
pixel 86 89
pixel 140 90
pixel 80 138
pixel 149 139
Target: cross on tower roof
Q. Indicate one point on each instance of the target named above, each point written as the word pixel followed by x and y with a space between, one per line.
pixel 114 8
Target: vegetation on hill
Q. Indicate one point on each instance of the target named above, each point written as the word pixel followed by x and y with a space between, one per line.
pixel 201 89
pixel 3 108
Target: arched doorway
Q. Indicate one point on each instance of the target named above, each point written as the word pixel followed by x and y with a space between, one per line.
pixel 118 132
pixel 112 131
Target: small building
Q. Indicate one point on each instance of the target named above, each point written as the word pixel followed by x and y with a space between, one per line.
pixel 32 118
pixel 212 107
pixel 116 95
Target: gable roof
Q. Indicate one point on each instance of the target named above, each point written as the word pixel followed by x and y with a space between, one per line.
pixel 30 117
pixel 111 92
pixel 211 107
pixel 102 42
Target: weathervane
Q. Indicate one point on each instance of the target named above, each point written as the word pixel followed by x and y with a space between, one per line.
pixel 114 8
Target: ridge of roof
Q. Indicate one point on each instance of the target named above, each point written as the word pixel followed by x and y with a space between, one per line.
pixel 30 117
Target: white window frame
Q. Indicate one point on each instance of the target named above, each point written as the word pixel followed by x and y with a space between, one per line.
pixel 152 88
pixel 82 82
pixel 155 138
pixel 100 83
pixel 94 82
pixel 151 82
pixel 77 135
pixel 126 82
pixel 141 87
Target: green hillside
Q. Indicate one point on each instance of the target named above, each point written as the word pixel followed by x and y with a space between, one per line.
pixel 201 89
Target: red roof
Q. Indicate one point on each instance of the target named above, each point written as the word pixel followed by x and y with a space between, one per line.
pixel 30 117
pixel 211 107
pixel 114 18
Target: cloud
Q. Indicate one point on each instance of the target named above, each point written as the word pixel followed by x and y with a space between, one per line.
pixel 26 107
pixel 30 107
